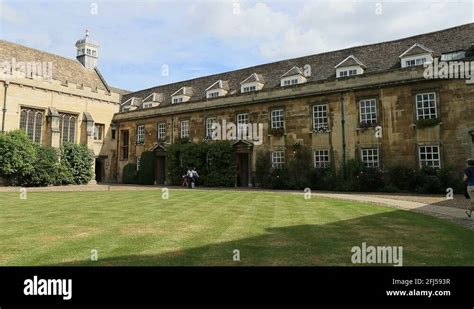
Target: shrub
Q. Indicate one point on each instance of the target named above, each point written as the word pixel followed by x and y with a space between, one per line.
pixel 130 174
pixel 263 168
pixel 279 178
pixel 146 173
pixel 323 179
pixel 299 168
pixel 370 180
pixel 46 168
pixel 220 164
pixel 402 178
pixel 17 157
pixel 79 160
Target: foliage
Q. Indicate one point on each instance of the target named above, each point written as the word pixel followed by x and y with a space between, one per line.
pixel 17 157
pixel 146 172
pixel 130 174
pixel 429 122
pixel 79 160
pixel 263 168
pixel 214 162
pixel 299 168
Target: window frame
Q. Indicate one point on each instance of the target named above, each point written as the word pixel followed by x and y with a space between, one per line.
pixel 208 126
pixel 277 158
pixel 102 126
pixel 36 127
pixel 124 144
pixel 438 153
pixel 361 113
pixel 364 157
pixel 140 134
pixel 281 120
pixel 326 117
pixel 434 100
pixel 161 129
pixel 240 125
pixel 181 131
pixel 321 164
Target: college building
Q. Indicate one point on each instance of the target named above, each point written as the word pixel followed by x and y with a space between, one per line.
pixel 374 102
pixel 58 100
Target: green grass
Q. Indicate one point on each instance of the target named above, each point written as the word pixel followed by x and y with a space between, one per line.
pixel 205 227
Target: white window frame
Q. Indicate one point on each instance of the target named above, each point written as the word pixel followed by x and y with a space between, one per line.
pixel 370 157
pixel 278 158
pixel 322 158
pixel 177 100
pixel 429 156
pixel 184 129
pixel 147 105
pixel 429 98
pixel 99 133
pixel 242 121
pixel 277 118
pixel 209 131
pixel 368 111
pixel 161 130
pixel 213 94
pixel 320 116
pixel 141 134
pixel 250 88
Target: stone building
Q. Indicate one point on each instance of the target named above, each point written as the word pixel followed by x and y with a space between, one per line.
pixel 57 100
pixel 372 102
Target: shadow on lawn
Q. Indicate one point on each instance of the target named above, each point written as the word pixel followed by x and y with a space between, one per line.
pixel 425 242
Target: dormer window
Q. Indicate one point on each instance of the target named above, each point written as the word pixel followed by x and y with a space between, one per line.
pixel 147 105
pixel 457 55
pixel 184 94
pixel 254 82
pixel 350 66
pixel 292 77
pixel 416 55
pixel 219 89
pixel 152 100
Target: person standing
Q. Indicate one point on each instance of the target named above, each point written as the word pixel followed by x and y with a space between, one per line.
pixel 469 179
pixel 195 176
pixel 190 178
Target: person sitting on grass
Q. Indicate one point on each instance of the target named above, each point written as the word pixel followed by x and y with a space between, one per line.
pixel 469 179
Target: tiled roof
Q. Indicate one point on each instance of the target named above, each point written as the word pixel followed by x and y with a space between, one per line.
pixel 64 69
pixel 376 57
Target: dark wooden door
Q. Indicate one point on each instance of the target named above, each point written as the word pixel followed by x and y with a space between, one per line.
pixel 160 175
pixel 243 165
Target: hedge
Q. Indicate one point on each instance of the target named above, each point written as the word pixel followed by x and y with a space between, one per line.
pixel 146 171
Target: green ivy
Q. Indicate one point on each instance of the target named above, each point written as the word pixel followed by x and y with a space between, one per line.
pixel 130 174
pixel 146 172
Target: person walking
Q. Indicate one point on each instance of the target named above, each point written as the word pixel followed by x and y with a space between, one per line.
pixel 469 179
pixel 189 175
pixel 195 176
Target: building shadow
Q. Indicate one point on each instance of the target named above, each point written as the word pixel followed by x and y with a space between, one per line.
pixel 426 241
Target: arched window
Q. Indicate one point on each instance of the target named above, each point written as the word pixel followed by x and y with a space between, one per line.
pixel 67 126
pixel 31 121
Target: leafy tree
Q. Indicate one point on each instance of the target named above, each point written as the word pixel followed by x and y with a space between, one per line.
pixel 79 160
pixel 146 172
pixel 17 157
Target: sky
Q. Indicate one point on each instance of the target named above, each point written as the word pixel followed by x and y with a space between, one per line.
pixel 150 43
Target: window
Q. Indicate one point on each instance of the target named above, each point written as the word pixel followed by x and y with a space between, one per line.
pixel 147 105
pixel 212 94
pixel 320 116
pixel 415 62
pixel 321 158
pixel 67 128
pixel 289 82
pixel 94 53
pixel 209 130
pixel 113 132
pixel 368 111
pixel 242 128
pixel 429 156
pixel 370 157
pixel 277 119
pixel 426 106
pixel 88 51
pixel 345 73
pixel 31 121
pixel 99 132
pixel 178 100
pixel 125 144
pixel 161 131
pixel 140 134
pixel 453 56
pixel 249 88
pixel 184 128
pixel 278 159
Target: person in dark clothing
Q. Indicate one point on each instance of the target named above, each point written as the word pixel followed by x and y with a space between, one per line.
pixel 469 179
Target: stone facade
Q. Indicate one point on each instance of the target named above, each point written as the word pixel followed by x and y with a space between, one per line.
pixel 393 91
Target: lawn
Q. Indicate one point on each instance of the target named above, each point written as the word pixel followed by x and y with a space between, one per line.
pixel 205 227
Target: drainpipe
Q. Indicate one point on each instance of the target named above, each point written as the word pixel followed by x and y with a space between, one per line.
pixel 117 154
pixel 343 128
pixel 4 109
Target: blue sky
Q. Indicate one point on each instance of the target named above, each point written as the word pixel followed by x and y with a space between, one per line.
pixel 197 38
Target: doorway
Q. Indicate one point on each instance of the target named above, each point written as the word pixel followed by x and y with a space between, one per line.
pixel 160 170
pixel 99 169
pixel 243 169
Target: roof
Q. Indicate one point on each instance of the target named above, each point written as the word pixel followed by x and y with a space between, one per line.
pixel 64 69
pixel 254 77
pixel 293 71
pixel 377 58
pixel 416 49
pixel 349 62
pixel 119 90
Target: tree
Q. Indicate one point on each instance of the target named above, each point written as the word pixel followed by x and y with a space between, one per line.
pixel 17 157
pixel 78 159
